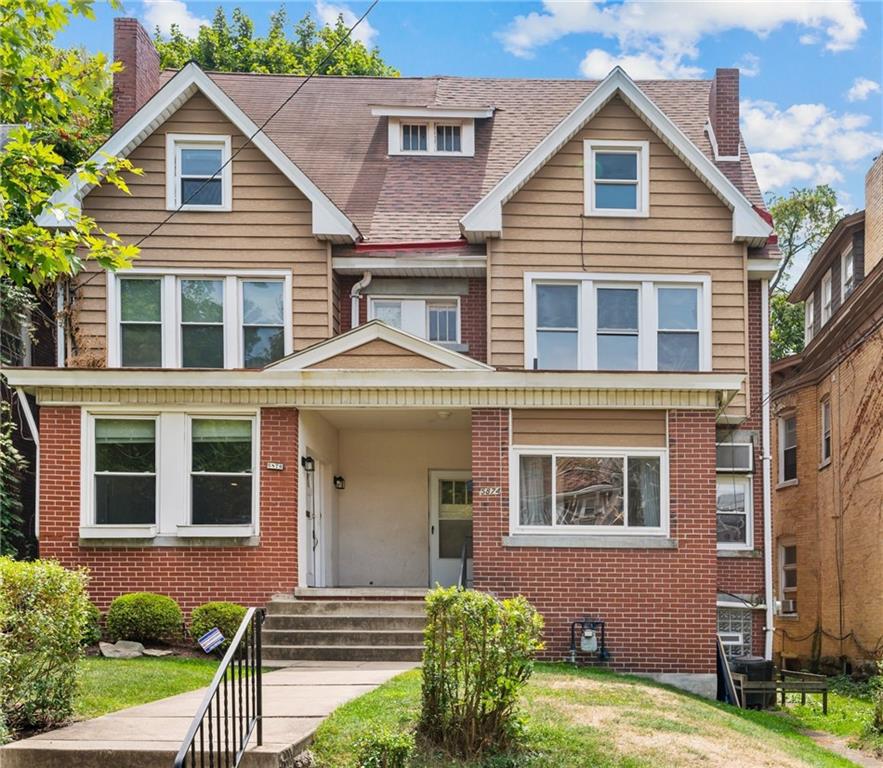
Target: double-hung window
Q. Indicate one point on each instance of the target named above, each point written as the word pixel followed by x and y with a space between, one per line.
pixel 734 512
pixel 847 273
pixel 206 319
pixel 222 466
pixel 198 173
pixel 788 449
pixel 124 461
pixel 617 322
pixel 825 418
pixel 826 297
pixel 434 319
pixel 617 178
pixel 788 576
pixel 598 490
pixel 141 322
pixel 809 311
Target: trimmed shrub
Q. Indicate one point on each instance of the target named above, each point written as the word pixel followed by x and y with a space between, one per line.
pixel 92 630
pixel 385 750
pixel 478 654
pixel 225 616
pixel 144 617
pixel 44 611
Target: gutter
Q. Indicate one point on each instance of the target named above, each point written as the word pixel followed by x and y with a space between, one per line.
pixel 769 628
pixel 32 426
pixel 355 298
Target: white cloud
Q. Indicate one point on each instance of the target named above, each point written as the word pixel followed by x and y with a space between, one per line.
pixel 328 13
pixel 640 66
pixel 663 35
pixel 861 88
pixel 164 13
pixel 805 143
pixel 749 65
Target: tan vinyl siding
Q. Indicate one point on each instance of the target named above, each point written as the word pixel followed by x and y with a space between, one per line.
pixel 613 428
pixel 378 354
pixel 269 227
pixel 689 231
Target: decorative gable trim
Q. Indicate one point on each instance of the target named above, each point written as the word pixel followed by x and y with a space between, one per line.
pixel 486 217
pixel 373 331
pixel 329 222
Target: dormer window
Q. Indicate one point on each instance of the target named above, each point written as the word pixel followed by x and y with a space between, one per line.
pixel 447 138
pixel 414 138
pixel 432 131
pixel 198 173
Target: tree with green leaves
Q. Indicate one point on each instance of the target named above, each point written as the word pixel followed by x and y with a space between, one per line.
pixel 231 46
pixel 786 326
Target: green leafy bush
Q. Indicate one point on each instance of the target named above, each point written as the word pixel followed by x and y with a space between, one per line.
pixel 225 616
pixel 44 610
pixel 92 630
pixel 478 654
pixel 144 617
pixel 385 750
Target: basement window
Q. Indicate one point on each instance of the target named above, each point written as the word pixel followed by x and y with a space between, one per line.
pixel 198 173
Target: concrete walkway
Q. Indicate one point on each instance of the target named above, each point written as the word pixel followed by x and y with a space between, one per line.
pixel 296 699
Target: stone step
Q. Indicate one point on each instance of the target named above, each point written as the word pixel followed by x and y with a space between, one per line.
pixel 281 653
pixel 344 623
pixel 293 606
pixel 276 637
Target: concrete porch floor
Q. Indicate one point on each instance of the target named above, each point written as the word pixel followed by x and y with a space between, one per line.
pixel 296 700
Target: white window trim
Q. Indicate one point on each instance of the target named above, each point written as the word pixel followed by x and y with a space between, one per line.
pixel 171 312
pixel 467 136
pixel 173 492
pixel 746 481
pixel 174 142
pixel 809 311
pixel 827 301
pixel 781 452
pixel 515 527
pixel 424 321
pixel 642 149
pixel 646 284
pixel 848 254
pixel 786 594
pixel 825 405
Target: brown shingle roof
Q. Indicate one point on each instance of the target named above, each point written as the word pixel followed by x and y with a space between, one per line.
pixel 328 131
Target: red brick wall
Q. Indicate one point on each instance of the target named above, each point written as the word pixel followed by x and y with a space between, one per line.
pixel 473 313
pixel 191 575
pixel 139 78
pixel 659 604
pixel 723 111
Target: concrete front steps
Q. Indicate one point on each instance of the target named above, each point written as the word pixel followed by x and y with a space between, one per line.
pixel 343 629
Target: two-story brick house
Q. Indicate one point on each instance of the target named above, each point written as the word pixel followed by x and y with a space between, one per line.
pixel 404 313
pixel 828 437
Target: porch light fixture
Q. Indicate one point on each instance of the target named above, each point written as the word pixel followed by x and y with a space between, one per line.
pixel 339 482
pixel 308 463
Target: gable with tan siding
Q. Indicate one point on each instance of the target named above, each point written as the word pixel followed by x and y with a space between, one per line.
pixel 270 227
pixel 607 428
pixel 689 231
pixel 378 354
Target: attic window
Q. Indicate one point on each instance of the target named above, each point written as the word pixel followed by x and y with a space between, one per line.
pixel 198 173
pixel 414 138
pixel 447 138
pixel 430 137
pixel 617 178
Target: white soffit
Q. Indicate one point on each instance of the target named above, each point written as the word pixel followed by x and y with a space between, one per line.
pixel 434 112
pixel 486 217
pixel 328 220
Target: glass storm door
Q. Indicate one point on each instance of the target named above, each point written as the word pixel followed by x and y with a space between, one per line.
pixel 450 525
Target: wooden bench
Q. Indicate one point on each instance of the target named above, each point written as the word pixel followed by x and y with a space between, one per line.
pixel 787 682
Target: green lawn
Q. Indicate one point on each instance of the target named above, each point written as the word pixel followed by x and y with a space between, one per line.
pixel 594 718
pixel 107 685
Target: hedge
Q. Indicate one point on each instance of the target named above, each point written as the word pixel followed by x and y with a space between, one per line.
pixel 144 617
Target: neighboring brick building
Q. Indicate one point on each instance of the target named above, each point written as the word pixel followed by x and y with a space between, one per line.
pixel 412 313
pixel 828 428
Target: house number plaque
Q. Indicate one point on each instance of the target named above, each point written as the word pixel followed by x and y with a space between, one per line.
pixel 490 490
pixel 277 466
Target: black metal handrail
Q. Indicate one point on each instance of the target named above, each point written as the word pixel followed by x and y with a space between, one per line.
pixel 465 554
pixel 232 707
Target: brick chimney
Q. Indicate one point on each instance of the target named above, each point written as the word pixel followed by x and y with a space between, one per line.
pixel 723 112
pixel 139 79
pixel 874 215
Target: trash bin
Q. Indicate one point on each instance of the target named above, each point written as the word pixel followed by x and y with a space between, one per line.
pixel 756 668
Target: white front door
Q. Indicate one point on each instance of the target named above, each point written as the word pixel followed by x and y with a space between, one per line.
pixel 450 525
pixel 315 518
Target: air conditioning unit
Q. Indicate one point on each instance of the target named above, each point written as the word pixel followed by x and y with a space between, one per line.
pixel 735 457
pixel 787 606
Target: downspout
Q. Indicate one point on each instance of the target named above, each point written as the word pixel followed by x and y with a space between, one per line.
pixel 355 298
pixel 769 628
pixel 32 426
pixel 60 325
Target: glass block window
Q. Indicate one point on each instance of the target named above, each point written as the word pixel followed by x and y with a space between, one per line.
pixel 734 627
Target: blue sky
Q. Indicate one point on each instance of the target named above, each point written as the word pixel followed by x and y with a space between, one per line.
pixel 812 70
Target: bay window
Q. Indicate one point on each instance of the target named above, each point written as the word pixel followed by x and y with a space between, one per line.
pixel 617 322
pixel 221 471
pixel 125 471
pixel 198 319
pixel 589 490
